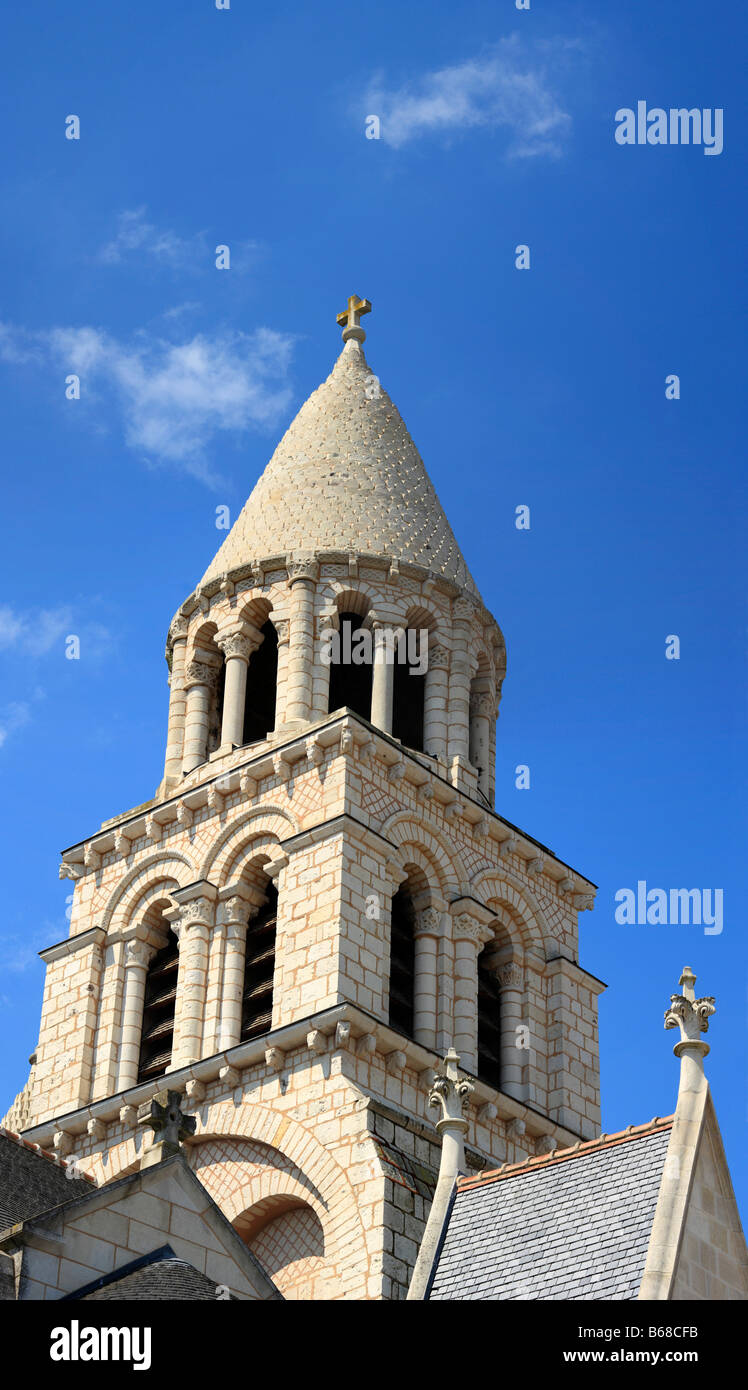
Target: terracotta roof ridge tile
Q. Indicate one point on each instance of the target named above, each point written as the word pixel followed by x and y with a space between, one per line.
pixel 582 1147
pixel 45 1153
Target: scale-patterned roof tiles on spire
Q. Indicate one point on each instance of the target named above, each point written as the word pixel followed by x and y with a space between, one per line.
pixel 346 476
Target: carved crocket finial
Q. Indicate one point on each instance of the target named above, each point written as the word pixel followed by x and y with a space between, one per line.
pixel 687 1012
pixel 451 1092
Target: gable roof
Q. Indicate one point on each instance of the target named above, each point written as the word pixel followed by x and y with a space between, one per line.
pixel 142 1202
pixel 158 1277
pixel 33 1181
pixel 572 1225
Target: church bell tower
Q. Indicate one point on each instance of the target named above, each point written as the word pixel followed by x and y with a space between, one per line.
pixel 319 900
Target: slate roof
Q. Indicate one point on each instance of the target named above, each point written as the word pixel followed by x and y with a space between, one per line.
pixel 572 1225
pixel 32 1181
pixel 159 1277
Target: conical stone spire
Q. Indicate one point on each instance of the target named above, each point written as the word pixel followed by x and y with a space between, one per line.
pixel 346 477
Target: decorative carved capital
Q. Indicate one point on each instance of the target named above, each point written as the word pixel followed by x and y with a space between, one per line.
pixel 466 928
pixel 510 976
pixel 282 627
pixel 235 644
pixel 462 610
pixel 137 953
pixel 200 673
pixel 438 657
pixel 482 704
pixel 428 922
pixel 178 629
pixel 302 568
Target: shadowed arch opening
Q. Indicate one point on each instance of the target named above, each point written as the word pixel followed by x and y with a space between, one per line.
pixel 262 682
pixel 157 1033
pixel 351 668
pixel 403 950
pixel 489 1018
pixel 287 1238
pixel 259 968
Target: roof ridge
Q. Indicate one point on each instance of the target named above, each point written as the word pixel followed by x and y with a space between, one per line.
pixel 45 1153
pixel 579 1150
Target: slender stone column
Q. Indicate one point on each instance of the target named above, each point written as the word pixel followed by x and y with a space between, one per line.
pixel 192 921
pixel 459 683
pixel 428 930
pixel 137 955
pixel 237 647
pixel 450 1093
pixel 383 679
pixel 238 905
pixel 200 681
pixel 510 979
pixel 471 932
pixel 481 707
pixel 435 713
pixel 177 699
pixel 302 575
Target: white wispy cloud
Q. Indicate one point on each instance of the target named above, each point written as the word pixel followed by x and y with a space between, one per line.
pixel 13 717
pixel 36 632
pixel 136 237
pixel 509 88
pixel 135 233
pixel 173 398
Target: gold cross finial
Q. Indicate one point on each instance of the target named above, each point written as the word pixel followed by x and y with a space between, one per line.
pixel 349 319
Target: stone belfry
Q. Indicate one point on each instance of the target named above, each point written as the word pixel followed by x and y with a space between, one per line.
pixel 319 900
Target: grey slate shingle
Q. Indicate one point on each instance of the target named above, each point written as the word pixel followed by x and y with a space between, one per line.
pixel 31 1182
pixel 576 1229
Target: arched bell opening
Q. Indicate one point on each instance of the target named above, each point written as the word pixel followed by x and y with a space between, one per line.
pixel 409 692
pixel 351 666
pixel 259 968
pixel 402 959
pixel 262 685
pixel 489 1018
pixel 159 1004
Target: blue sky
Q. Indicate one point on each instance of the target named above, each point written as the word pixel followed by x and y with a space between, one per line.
pixel 543 387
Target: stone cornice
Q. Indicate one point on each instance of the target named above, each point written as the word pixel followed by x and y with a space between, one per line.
pixel 341 1028
pixel 253 575
pixel 328 735
pixel 95 936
